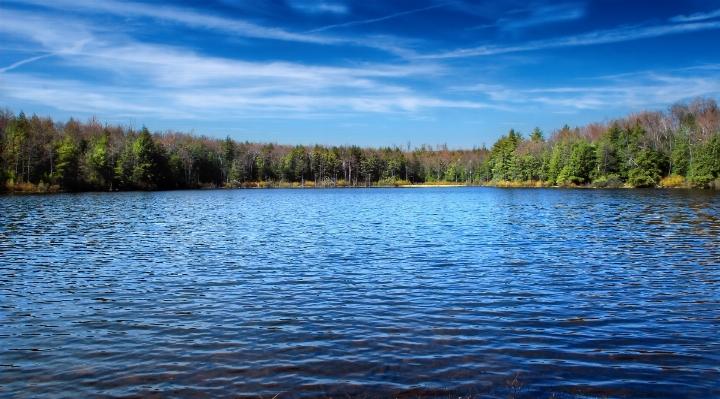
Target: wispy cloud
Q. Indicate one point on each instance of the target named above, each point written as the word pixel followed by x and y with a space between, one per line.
pixel 212 23
pixel 543 15
pixel 647 89
pixel 318 7
pixel 696 17
pixel 202 102
pixel 368 21
pixel 25 61
pixel 52 34
pixel 600 37
pixel 185 17
pixel 183 84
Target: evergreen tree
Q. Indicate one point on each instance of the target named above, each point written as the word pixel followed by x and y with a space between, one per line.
pixel 537 135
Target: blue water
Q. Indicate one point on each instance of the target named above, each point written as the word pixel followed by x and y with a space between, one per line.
pixel 475 292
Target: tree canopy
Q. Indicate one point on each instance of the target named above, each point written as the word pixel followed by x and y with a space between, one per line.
pixel 678 147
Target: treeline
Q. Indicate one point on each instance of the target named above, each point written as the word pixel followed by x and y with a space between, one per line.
pixel 679 147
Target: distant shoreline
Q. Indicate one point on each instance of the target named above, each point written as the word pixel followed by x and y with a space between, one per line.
pixel 30 189
pixel 38 154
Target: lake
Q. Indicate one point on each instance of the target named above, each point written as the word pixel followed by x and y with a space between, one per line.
pixel 435 292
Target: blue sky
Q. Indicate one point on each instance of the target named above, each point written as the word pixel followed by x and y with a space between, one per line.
pixel 372 73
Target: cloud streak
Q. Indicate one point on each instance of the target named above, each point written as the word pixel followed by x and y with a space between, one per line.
pixel 369 21
pixel 634 91
pixel 25 61
pixel 190 85
pixel 544 15
pixel 696 17
pixel 601 37
pixel 188 18
pixel 318 7
pixel 213 23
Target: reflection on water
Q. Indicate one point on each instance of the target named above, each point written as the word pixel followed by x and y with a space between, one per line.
pixel 370 292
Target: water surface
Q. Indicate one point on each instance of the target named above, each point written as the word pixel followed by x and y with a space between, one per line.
pixel 361 292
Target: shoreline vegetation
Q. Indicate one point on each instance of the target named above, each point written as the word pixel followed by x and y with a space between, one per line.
pixel 677 148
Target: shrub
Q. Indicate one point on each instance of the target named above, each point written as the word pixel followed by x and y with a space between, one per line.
pixel 673 181
pixel 609 181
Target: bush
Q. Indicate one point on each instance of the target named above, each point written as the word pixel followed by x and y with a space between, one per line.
pixel 609 181
pixel 703 181
pixel 673 181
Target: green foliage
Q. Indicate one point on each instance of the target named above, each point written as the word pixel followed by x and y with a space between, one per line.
pixel 99 160
pixel 680 154
pixel 607 181
pixel 66 166
pixel 580 164
pixel 145 155
pixel 537 135
pixel 706 162
pixel 648 170
pixel 368 166
pixel 558 161
pixel 681 148
pixel 606 157
pixel 502 157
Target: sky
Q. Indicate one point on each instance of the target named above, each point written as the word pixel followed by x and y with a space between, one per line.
pixel 370 73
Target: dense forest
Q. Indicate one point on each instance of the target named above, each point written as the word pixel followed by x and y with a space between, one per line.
pixel 676 148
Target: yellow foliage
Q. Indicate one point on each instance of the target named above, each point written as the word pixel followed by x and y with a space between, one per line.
pixel 23 187
pixel 673 182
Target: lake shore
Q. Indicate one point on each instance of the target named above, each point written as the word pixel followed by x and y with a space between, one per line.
pixel 29 188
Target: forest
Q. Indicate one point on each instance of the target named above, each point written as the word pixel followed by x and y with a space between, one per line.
pixel 679 147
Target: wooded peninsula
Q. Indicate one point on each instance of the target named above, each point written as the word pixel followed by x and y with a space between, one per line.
pixel 679 147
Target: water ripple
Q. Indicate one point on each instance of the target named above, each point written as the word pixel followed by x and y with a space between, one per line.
pixel 375 292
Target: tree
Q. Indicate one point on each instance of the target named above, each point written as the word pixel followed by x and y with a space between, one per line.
pixel 227 158
pixel 502 156
pixel 648 170
pixel 537 135
pixel 66 166
pixel 99 160
pixel 16 136
pixel 558 160
pixel 580 164
pixel 706 168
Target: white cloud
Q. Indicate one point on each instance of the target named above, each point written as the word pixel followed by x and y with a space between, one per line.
pixel 696 17
pixel 54 34
pixel 319 7
pixel 542 15
pixel 25 61
pixel 368 21
pixel 209 22
pixel 599 37
pixel 170 82
pixel 631 91
pixel 203 102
